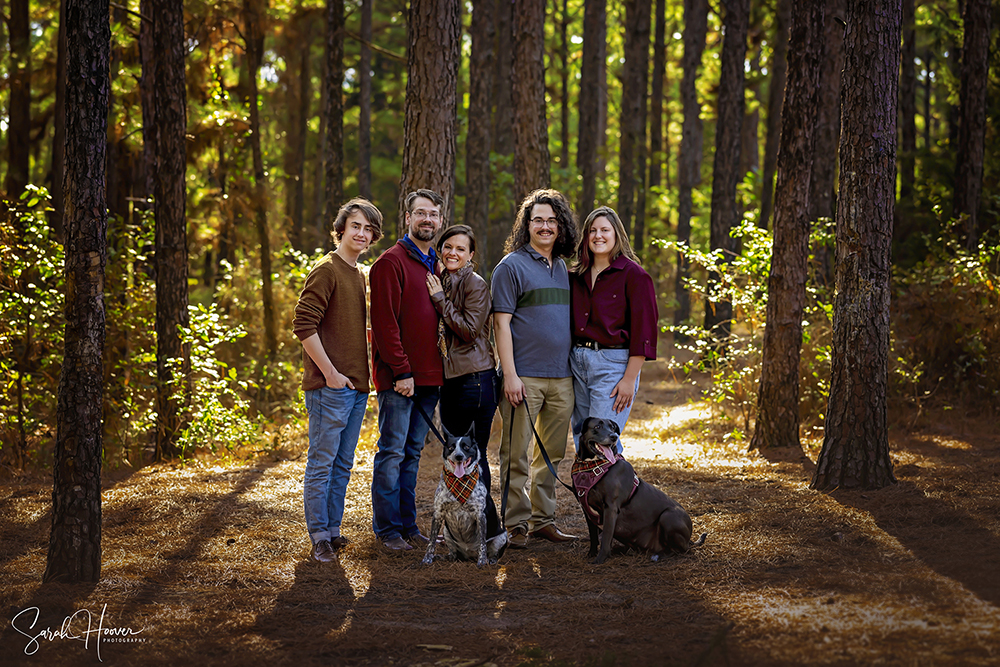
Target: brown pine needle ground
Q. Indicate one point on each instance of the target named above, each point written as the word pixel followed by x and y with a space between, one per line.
pixel 209 565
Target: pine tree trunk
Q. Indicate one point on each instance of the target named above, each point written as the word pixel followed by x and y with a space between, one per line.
pixel 430 129
pixel 255 51
pixel 972 128
pixel 477 146
pixel 170 109
pixel 365 103
pixel 531 137
pixel 725 213
pixel 631 166
pixel 657 156
pixel 333 83
pixel 301 138
pixel 502 216
pixel 19 116
pixel 749 140
pixel 822 203
pixel 59 130
pixel 689 154
pixel 856 442
pixel 564 87
pixel 75 540
pixel 778 399
pixel 778 66
pixel 590 137
pixel 147 86
pixel 908 104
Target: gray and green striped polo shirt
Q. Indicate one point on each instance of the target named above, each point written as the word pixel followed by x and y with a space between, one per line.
pixel 537 296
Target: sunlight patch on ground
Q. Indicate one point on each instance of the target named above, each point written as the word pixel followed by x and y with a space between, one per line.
pixel 358 576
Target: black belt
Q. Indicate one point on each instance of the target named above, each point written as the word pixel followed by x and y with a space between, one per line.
pixel 594 345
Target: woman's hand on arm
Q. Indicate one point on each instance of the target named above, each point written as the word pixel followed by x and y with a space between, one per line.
pixel 624 391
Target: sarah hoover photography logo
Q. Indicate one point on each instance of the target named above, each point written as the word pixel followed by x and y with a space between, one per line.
pixel 91 630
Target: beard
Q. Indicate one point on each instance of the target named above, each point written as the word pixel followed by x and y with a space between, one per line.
pixel 422 234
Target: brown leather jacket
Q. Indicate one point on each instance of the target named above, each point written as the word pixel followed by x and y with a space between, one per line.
pixel 467 320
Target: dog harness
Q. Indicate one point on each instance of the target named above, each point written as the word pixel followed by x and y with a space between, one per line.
pixel 461 487
pixel 586 474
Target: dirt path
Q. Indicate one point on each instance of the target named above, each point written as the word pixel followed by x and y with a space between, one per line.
pixel 209 565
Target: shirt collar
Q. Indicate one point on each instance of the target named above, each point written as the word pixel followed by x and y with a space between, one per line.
pixel 428 260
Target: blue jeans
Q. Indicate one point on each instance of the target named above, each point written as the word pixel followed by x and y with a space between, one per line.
pixel 335 417
pixel 402 431
pixel 471 399
pixel 595 375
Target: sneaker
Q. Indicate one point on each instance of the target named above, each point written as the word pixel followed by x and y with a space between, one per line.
pixel 396 544
pixel 517 537
pixel 339 542
pixel 322 552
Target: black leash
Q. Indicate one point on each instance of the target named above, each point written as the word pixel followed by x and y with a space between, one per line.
pixel 423 413
pixel 541 447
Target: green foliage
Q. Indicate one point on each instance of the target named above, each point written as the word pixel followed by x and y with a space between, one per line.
pixel 734 364
pixel 946 331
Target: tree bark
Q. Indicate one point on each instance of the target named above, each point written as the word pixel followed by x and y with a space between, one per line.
pixel 749 140
pixel 255 52
pixel 725 213
pixel 631 156
pixel 776 93
pixel 147 86
pixel 972 127
pixel 657 156
pixel 430 127
pixel 298 39
pixel 855 450
pixel 74 552
pixel 531 136
pixel 777 422
pixel 333 83
pixel 477 146
pixel 365 103
pixel 822 200
pixel 590 136
pixel 689 154
pixel 171 256
pixel 59 130
pixel 564 87
pixel 908 103
pixel 502 214
pixel 19 115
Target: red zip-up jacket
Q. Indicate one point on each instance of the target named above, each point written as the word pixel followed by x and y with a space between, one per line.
pixel 404 322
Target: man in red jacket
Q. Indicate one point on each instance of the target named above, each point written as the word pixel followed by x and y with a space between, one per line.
pixel 407 369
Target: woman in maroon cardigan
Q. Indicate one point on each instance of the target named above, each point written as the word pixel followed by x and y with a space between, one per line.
pixel 614 320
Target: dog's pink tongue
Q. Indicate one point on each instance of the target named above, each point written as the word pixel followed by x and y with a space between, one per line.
pixel 460 469
pixel 609 453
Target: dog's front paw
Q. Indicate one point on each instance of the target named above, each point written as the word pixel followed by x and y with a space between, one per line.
pixel 481 563
pixel 428 559
pixel 598 560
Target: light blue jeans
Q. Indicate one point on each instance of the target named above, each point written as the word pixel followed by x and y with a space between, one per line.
pixel 402 431
pixel 595 375
pixel 335 417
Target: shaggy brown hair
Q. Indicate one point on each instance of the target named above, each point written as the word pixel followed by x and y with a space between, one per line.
pixel 520 236
pixel 368 209
pixel 584 260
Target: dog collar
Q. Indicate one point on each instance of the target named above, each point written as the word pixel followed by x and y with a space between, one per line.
pixel 587 473
pixel 461 487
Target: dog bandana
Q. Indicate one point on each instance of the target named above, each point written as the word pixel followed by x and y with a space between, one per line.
pixel 461 487
pixel 586 474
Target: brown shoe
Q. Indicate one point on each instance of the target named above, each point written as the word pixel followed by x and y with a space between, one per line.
pixel 322 552
pixel 517 538
pixel 552 534
pixel 418 540
pixel 339 542
pixel 396 544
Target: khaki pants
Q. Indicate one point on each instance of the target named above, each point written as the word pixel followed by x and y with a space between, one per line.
pixel 550 401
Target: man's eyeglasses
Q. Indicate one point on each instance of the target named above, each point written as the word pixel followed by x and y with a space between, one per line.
pixel 421 214
pixel 544 222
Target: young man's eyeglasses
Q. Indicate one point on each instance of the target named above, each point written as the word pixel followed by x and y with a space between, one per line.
pixel 544 222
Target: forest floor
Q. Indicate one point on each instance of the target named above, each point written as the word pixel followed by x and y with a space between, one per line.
pixel 208 564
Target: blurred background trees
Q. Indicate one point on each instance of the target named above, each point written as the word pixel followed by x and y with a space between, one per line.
pixel 291 106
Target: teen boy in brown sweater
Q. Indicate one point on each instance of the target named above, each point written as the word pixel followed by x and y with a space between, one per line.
pixel 330 321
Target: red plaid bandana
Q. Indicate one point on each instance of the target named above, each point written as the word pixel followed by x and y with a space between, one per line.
pixel 586 474
pixel 461 487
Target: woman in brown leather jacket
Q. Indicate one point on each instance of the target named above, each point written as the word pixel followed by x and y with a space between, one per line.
pixel 469 394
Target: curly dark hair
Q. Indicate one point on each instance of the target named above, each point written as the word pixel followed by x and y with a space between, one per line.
pixel 520 235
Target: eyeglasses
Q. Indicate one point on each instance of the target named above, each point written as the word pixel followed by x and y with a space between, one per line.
pixel 544 222
pixel 421 213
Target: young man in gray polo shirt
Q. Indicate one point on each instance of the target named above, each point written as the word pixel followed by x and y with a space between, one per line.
pixel 531 323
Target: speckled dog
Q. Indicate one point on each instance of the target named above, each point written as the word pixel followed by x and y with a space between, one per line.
pixel 464 508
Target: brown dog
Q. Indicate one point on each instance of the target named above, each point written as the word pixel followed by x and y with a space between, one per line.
pixel 635 513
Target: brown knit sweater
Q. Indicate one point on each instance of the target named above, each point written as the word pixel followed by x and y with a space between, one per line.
pixel 332 303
